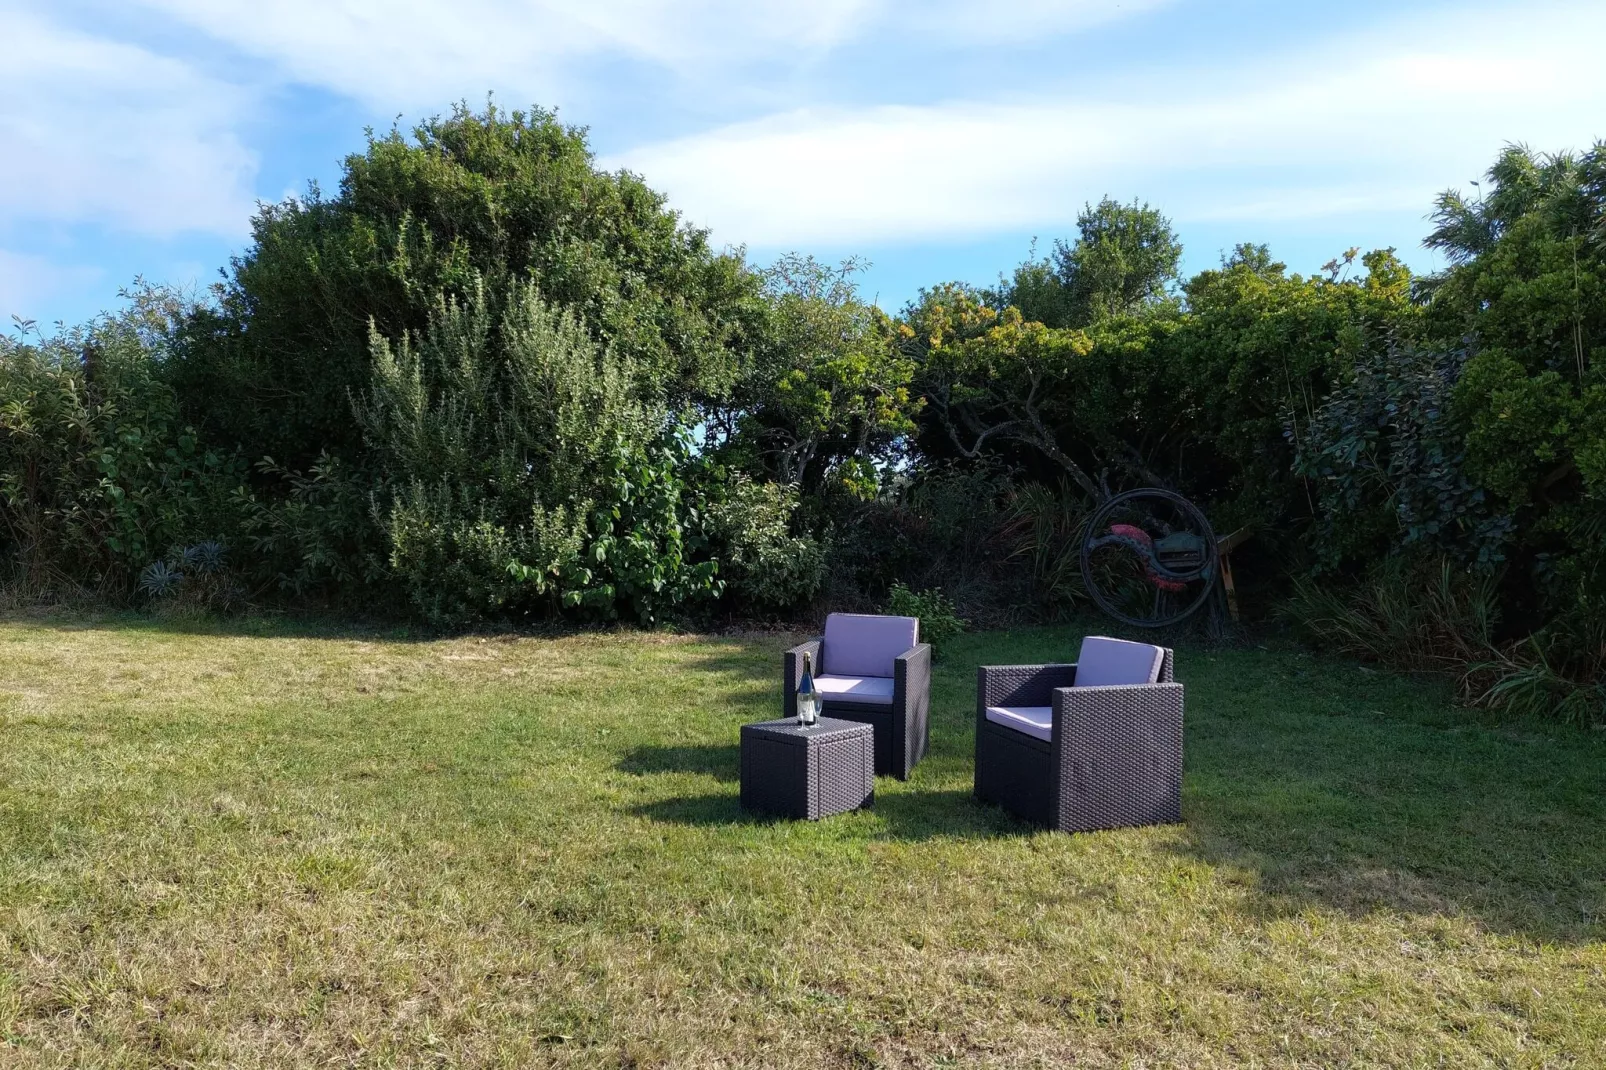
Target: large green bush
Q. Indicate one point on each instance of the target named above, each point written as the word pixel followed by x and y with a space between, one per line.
pixel 823 398
pixel 465 380
pixel 765 565
pixel 1255 356
pixel 1387 464
pixel 488 198
pixel 99 476
pixel 1528 287
pixel 1199 400
pixel 484 378
pixel 524 461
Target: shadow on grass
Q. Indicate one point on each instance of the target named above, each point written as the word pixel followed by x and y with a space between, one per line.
pixel 256 625
pixel 1333 786
pixel 950 814
pixel 709 810
pixel 721 761
pixel 305 624
pixel 907 816
pixel 745 660
pixel 1330 800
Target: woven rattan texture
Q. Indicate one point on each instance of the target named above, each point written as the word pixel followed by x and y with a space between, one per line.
pixel 1116 753
pixel 841 776
pixel 807 773
pixel 1020 685
pixel 789 731
pixel 902 731
pixel 911 697
pixel 1119 756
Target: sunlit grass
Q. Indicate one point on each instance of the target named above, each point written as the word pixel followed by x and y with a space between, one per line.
pixel 254 844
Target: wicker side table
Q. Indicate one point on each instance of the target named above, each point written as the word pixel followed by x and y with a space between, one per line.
pixel 827 768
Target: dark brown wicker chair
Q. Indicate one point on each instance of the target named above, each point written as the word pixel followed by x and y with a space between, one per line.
pixel 1102 756
pixel 890 691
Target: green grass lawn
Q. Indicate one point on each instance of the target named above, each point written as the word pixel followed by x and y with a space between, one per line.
pixel 251 845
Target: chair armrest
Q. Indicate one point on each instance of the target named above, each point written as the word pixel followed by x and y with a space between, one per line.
pixel 792 673
pixel 1116 701
pixel 1118 755
pixel 911 674
pixel 919 652
pixel 1020 685
pixel 911 708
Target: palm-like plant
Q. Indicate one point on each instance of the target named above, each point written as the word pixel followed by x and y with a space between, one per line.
pixel 160 579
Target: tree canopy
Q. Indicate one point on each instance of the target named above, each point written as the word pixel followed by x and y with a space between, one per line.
pixel 485 378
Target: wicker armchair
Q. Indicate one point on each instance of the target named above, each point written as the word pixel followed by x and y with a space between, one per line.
pixel 873 670
pixel 1076 757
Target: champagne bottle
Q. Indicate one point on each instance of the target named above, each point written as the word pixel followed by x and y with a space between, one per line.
pixel 808 697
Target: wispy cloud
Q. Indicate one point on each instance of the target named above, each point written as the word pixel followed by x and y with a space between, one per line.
pixel 111 131
pixel 124 122
pixel 99 131
pixel 415 53
pixel 1374 124
pixel 851 124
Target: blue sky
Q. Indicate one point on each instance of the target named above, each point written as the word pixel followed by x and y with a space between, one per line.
pixel 934 138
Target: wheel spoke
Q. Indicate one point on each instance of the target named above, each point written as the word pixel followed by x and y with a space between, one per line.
pixel 1149 558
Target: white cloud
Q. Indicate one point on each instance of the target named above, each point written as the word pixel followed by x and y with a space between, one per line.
pixel 27 282
pixel 413 53
pixel 1429 105
pixel 419 53
pixel 102 129
pixel 112 132
pixel 106 132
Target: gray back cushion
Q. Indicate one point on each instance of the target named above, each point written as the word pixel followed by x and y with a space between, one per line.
pixel 1105 661
pixel 858 644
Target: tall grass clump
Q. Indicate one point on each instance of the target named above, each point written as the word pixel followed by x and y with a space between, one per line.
pixel 1555 674
pixel 1435 618
pixel 1413 617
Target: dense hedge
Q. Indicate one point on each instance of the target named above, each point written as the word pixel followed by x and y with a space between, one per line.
pixel 486 379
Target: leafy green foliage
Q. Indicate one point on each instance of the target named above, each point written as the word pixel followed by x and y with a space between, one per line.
pixel 1347 417
pixel 1199 401
pixel 1122 263
pixel 97 471
pixel 1528 287
pixel 1388 466
pixel 526 460
pixel 517 335
pixel 195 576
pixel 318 536
pixel 1420 616
pixel 159 579
pixel 1044 534
pixel 939 621
pixel 1124 258
pixel 826 399
pixel 1255 355
pixel 487 198
pixel 1001 551
pixel 1008 386
pixel 1557 673
pixel 763 563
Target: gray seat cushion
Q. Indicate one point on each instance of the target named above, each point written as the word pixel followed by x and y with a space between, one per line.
pixel 1105 662
pixel 870 689
pixel 858 644
pixel 1034 721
